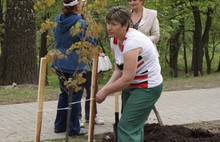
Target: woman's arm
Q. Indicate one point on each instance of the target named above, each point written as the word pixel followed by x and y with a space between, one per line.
pixel 115 76
pixel 128 74
pixel 155 30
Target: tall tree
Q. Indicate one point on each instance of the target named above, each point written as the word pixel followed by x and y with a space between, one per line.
pixel 1 31
pixel 172 26
pixel 214 42
pixel 174 40
pixel 174 49
pixel 201 35
pixel 198 18
pixel 19 48
pixel 197 42
pixel 1 21
pixel 218 69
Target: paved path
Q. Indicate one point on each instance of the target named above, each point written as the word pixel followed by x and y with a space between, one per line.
pixel 17 121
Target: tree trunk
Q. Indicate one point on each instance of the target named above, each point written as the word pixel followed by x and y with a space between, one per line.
pixel 218 69
pixel 174 49
pixel 184 49
pixel 197 43
pixel 205 40
pixel 1 33
pixel 19 54
pixel 1 21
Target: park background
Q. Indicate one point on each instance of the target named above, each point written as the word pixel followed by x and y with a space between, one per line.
pixel 189 44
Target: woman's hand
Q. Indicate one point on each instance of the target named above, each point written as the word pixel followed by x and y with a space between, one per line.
pixel 100 96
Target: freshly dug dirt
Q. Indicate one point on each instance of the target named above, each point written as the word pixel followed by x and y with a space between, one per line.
pixel 174 133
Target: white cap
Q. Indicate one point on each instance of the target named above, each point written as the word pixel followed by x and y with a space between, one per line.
pixel 74 2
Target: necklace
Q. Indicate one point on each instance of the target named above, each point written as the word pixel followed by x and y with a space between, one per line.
pixel 135 26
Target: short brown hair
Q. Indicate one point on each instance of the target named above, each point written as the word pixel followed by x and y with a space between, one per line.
pixel 120 14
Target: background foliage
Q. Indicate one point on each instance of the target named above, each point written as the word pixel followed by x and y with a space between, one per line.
pixel 189 41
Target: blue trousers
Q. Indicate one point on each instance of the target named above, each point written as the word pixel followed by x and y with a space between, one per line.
pixel 63 102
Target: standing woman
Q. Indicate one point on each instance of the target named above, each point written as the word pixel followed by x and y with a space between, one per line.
pixel 137 74
pixel 65 67
pixel 145 20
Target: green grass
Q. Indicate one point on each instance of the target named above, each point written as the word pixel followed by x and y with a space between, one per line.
pixel 25 94
pixel 53 80
pixel 189 83
pixel 8 96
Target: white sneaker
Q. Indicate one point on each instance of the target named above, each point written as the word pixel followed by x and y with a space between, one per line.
pixel 99 121
pixel 81 124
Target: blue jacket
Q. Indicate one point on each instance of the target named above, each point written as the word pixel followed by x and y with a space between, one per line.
pixel 64 40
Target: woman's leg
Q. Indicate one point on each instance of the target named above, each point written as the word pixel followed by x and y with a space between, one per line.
pixel 74 125
pixel 63 102
pixel 137 105
pixel 61 117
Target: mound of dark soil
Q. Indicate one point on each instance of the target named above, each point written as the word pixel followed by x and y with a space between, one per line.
pixel 173 133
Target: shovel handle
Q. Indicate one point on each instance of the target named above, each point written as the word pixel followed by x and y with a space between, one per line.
pixel 117 94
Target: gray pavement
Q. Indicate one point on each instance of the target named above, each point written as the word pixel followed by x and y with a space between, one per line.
pixel 17 121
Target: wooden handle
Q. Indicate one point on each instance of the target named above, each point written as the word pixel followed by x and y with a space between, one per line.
pixel 117 94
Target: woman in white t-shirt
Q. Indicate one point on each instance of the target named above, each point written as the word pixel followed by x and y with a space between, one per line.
pixel 137 74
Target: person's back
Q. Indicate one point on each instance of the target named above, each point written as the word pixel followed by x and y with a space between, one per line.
pixel 64 40
pixel 67 66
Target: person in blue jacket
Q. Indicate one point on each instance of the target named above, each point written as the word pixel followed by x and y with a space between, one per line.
pixel 65 67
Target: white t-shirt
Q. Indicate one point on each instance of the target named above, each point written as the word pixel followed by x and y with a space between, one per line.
pixel 148 73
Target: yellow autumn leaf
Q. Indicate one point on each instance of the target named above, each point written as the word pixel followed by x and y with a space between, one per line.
pixel 43 4
pixel 59 55
pixel 75 29
pixel 49 3
pixel 46 25
pixel 50 57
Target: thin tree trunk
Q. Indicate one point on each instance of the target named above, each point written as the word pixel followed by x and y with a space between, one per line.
pixel 205 40
pixel 208 61
pixel 174 49
pixel 218 69
pixel 184 50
